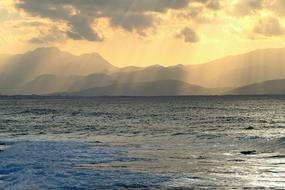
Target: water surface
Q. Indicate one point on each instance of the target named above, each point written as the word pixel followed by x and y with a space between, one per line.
pixel 143 143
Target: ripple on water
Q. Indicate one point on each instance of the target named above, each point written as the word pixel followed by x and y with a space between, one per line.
pixel 53 165
pixel 200 138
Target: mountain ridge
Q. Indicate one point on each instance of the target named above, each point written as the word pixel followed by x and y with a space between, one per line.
pixel 21 74
pixel 154 88
pixel 271 87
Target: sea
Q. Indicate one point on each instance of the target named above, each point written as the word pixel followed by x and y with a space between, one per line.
pixel 169 143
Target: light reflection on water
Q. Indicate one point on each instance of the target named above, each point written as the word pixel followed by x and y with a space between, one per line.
pixel 169 142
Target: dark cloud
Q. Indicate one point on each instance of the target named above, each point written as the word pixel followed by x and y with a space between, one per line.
pixel 131 15
pixel 29 24
pixel 269 27
pixel 246 7
pixel 214 4
pixel 198 10
pixel 133 21
pixel 188 35
pixel 81 26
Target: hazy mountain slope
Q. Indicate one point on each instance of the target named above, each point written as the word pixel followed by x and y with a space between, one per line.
pixel 22 68
pixel 231 71
pixel 19 73
pixel 156 88
pixel 91 81
pixel 46 84
pixel 151 73
pixel 8 83
pixel 268 87
pixel 3 60
pixel 252 67
pixel 93 63
pixel 129 69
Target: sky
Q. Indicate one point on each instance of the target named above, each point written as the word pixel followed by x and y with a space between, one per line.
pixel 143 32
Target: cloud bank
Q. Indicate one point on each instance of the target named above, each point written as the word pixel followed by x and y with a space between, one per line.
pixel 80 16
pixel 81 19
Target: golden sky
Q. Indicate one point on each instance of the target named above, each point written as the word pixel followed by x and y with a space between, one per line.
pixel 143 32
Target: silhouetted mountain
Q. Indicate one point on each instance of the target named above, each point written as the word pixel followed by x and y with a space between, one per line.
pixel 156 88
pixel 46 84
pixel 91 81
pixel 47 70
pixel 239 70
pixel 228 72
pixel 3 59
pixel 152 73
pixel 23 68
pixel 272 87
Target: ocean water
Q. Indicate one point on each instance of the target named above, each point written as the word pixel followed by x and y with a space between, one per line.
pixel 143 143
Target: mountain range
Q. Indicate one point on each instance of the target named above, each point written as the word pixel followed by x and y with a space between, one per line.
pixel 155 88
pixel 272 87
pixel 52 71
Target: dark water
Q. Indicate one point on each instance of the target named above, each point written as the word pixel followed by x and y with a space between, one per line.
pixel 143 143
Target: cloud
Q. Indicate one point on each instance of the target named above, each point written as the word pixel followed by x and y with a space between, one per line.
pixel 201 11
pixel 92 20
pixel 269 27
pixel 53 34
pixel 133 21
pixel 81 28
pixel 80 16
pixel 278 6
pixel 188 35
pixel 29 24
pixel 246 7
pixel 214 4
